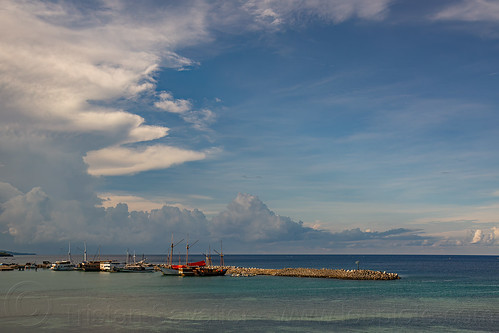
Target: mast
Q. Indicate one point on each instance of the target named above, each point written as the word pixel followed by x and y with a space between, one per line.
pixel 170 260
pixel 221 254
pixel 69 252
pixel 187 252
pixel 85 252
pixel 172 245
pixel 208 257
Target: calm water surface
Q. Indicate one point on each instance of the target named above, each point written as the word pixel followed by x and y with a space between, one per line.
pixel 436 293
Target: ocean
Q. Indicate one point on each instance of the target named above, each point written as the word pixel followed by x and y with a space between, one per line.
pixel 435 293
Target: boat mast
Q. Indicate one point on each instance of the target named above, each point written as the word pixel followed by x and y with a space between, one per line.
pixel 221 254
pixel 69 252
pixel 172 245
pixel 170 260
pixel 208 257
pixel 187 253
pixel 85 252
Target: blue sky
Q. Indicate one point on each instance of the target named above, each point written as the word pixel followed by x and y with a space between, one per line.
pixel 278 126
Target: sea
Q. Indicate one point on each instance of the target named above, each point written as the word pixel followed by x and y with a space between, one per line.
pixel 436 293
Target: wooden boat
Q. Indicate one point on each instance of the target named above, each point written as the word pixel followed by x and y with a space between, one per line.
pixel 198 268
pixel 6 267
pixel 91 266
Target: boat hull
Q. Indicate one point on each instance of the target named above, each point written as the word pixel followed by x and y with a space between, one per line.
pixel 169 271
pixel 62 266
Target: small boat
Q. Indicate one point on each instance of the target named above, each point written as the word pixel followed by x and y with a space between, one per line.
pixel 62 265
pixel 6 267
pixel 170 269
pixel 136 267
pixel 111 266
pixel 90 266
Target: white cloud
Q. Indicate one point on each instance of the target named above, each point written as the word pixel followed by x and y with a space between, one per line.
pixel 200 119
pixel 247 225
pixel 485 236
pixel 277 12
pixel 471 11
pixel 169 104
pixel 477 237
pixel 58 64
pixel 119 160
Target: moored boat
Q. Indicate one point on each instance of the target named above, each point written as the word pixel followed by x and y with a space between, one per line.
pixel 90 266
pixel 6 267
pixel 111 266
pixel 198 268
pixel 168 270
pixel 136 267
pixel 62 265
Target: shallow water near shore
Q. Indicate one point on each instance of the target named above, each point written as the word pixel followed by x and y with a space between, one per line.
pixel 436 293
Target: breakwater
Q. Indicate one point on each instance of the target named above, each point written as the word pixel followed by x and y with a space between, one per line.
pixel 361 274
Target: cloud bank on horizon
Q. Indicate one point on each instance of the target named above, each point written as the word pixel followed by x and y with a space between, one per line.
pixel 113 97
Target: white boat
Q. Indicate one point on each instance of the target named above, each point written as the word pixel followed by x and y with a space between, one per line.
pixel 63 265
pixel 139 267
pixel 111 266
pixel 168 270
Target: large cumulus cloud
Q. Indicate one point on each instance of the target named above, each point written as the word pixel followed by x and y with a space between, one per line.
pixel 247 225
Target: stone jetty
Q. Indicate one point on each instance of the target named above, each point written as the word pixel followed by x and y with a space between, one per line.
pixel 360 274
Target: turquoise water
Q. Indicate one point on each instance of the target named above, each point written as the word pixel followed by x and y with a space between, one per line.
pixel 436 293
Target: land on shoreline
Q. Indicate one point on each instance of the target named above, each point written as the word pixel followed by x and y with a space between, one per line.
pixel 4 253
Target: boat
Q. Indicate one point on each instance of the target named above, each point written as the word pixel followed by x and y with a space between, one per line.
pixel 91 266
pixel 111 266
pixel 170 269
pixel 198 268
pixel 62 265
pixel 133 267
pixel 138 267
pixel 6 267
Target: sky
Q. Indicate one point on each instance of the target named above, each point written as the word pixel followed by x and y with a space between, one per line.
pixel 277 126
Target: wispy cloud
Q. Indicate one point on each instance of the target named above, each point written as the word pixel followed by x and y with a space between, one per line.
pixel 471 11
pixel 281 12
pixel 169 104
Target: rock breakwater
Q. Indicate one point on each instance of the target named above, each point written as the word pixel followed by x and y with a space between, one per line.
pixel 361 274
